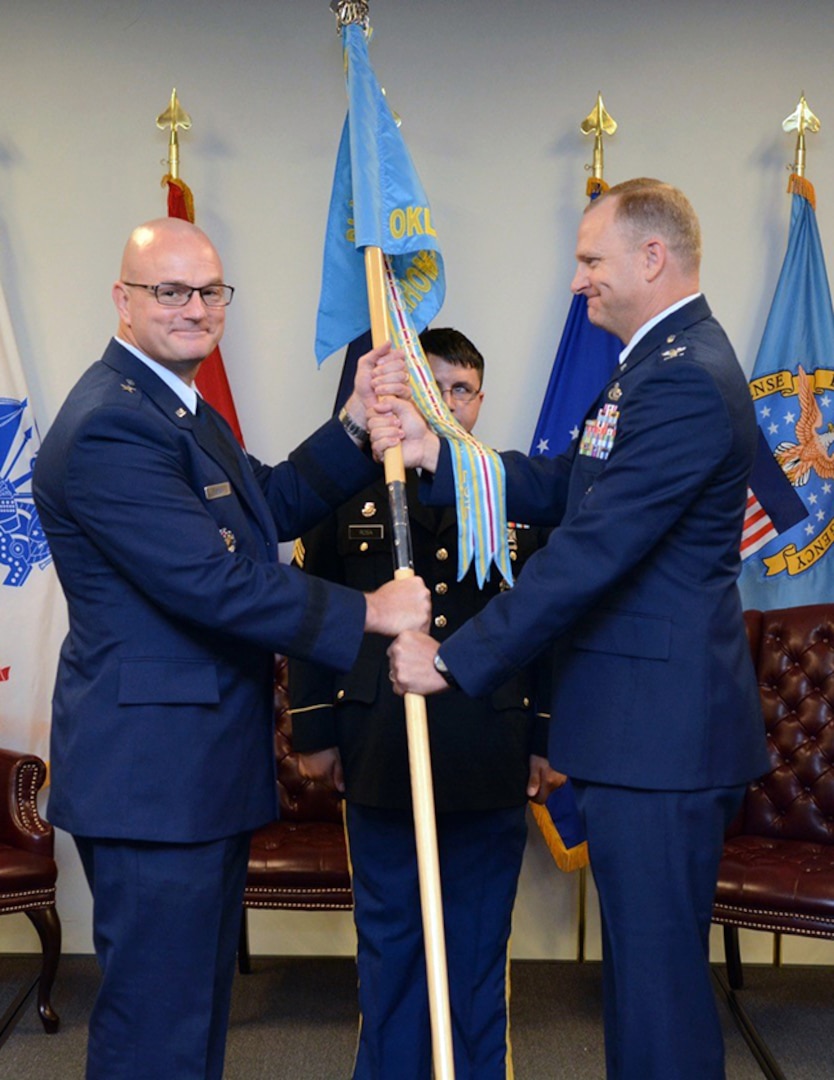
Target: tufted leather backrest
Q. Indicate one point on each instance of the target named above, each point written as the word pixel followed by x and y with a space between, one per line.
pixel 793 651
pixel 300 799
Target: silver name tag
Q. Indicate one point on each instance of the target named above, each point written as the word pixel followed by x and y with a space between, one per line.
pixel 217 491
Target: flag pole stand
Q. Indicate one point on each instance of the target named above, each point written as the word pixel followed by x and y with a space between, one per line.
pixel 422 790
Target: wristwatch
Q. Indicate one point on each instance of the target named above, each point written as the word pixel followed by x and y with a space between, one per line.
pixel 441 669
pixel 356 431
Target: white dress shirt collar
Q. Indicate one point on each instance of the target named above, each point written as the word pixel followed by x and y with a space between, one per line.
pixel 187 394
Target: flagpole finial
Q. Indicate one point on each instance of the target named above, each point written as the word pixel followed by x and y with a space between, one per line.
pixel 348 12
pixel 598 122
pixel 800 121
pixel 173 117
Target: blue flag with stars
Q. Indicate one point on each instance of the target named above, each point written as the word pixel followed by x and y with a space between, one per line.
pixel 793 390
pixel 585 358
pixel 377 201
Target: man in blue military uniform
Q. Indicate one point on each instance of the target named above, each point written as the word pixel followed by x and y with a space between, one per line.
pixel 656 714
pixel 488 756
pixel 165 538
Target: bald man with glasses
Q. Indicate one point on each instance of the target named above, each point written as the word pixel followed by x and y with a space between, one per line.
pixel 165 537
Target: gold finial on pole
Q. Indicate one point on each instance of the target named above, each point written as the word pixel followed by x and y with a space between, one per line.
pixel 800 121
pixel 351 11
pixel 598 122
pixel 174 117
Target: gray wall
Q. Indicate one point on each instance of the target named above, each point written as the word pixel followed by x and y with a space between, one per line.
pixel 491 96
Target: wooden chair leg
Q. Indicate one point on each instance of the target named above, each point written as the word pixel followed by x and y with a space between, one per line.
pixel 48 926
pixel 732 954
pixel 244 960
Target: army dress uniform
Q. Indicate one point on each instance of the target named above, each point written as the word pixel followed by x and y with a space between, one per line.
pixel 480 749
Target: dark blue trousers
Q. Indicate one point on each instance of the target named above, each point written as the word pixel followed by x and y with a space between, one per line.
pixel 654 856
pixel 480 857
pixel 165 925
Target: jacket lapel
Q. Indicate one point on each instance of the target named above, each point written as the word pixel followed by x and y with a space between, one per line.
pixel 215 438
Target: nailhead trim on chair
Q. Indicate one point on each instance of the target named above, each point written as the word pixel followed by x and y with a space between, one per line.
pixel 777 928
pixel 25 901
pixel 27 797
pixel 287 902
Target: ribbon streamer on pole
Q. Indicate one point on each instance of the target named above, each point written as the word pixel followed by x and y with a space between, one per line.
pixel 355 15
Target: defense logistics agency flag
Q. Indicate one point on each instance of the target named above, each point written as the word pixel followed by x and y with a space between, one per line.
pixel 211 378
pixel 793 391
pixel 33 618
pixel 379 202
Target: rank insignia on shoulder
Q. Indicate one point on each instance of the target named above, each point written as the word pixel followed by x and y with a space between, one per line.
pixel 615 393
pixel 672 354
pixel 129 386
pixel 229 539
pixel 369 509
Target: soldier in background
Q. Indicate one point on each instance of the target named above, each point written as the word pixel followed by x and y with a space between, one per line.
pixel 488 757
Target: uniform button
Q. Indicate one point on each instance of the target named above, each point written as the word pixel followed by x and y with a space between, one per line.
pixel 441 588
pixel 525 702
pixel 441 554
pixel 440 621
pixel 513 556
pixel 340 695
pixel 363 546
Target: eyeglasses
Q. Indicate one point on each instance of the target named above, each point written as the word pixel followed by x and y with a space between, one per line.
pixel 460 394
pixel 172 294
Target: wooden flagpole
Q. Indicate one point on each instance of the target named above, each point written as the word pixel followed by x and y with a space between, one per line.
pixel 422 790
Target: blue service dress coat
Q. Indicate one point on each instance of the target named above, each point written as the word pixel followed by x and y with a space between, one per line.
pixel 166 548
pixel 653 686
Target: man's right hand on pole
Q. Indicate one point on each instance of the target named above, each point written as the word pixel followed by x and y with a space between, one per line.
pixel 402 604
pixel 395 422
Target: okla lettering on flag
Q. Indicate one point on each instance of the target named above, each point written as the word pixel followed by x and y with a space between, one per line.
pixel 793 391
pixel 33 619
pixel 378 201
pixel 212 381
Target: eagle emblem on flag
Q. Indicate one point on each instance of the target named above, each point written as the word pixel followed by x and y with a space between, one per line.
pixel 22 541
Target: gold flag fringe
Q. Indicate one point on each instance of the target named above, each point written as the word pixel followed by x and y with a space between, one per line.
pixel 188 198
pixel 566 860
pixel 596 186
pixel 798 185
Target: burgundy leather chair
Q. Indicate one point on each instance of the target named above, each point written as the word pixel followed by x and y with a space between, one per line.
pixel 27 867
pixel 299 862
pixel 777 870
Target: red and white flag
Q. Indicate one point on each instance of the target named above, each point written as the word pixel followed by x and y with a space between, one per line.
pixel 211 378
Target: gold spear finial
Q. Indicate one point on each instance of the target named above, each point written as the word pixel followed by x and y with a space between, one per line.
pixel 174 117
pixel 800 121
pixel 598 122
pixel 351 11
